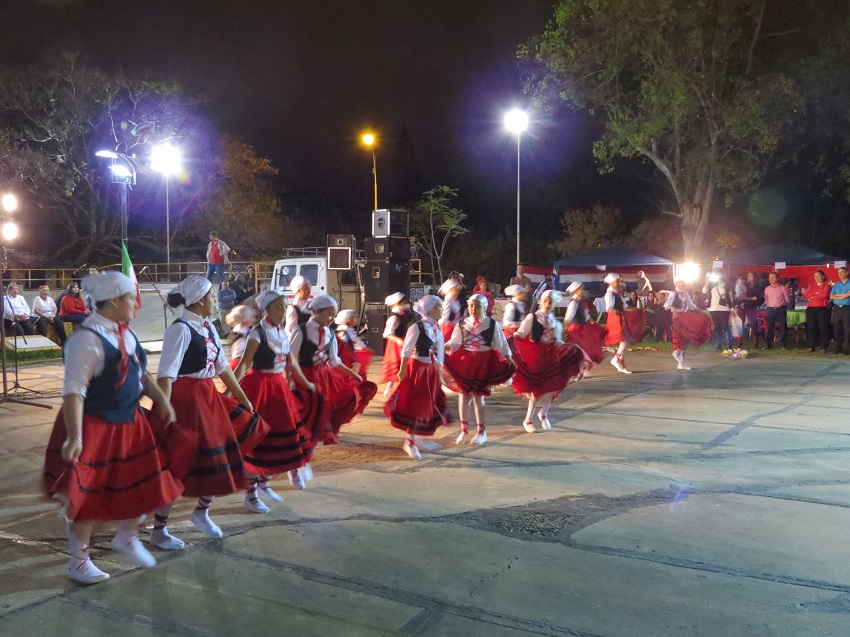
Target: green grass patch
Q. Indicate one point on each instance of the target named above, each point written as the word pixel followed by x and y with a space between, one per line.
pixel 26 358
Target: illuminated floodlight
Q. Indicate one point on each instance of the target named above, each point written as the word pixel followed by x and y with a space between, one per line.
pixel 687 272
pixel 120 170
pixel 10 230
pixel 10 202
pixel 165 159
pixel 109 154
pixel 516 121
pixel 368 139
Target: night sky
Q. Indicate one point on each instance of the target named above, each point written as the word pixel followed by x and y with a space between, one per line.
pixel 300 80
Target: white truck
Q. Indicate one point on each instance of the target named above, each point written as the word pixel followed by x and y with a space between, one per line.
pixel 312 263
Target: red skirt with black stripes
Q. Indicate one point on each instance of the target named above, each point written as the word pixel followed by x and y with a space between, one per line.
pixel 286 446
pixel 418 405
pixel 589 336
pixel 543 368
pixel 120 474
pixel 475 372
pixel 391 363
pixel 223 431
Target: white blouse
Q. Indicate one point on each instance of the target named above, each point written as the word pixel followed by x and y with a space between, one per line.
pixel 84 355
pixel 408 349
pixel 392 323
pixel 297 338
pixel 552 329
pixel 237 345
pixel 450 306
pixel 278 341
pixel 176 342
pixel 350 334
pixel 292 315
pixel 472 341
pixel 509 311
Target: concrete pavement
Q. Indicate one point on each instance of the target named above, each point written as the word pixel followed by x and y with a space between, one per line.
pixel 711 502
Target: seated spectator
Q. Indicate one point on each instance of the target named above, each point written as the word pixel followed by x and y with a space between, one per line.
pixel 16 313
pixel 663 318
pixel 73 308
pixel 249 282
pixel 45 314
pixel 633 300
pixel 226 302
pixel 483 288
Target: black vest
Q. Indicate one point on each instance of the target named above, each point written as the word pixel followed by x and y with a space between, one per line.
pixel 581 313
pixel 486 336
pixel 195 356
pixel 302 317
pixel 537 330
pixel 308 349
pixel 264 356
pixel 404 320
pixel 424 344
pixel 618 303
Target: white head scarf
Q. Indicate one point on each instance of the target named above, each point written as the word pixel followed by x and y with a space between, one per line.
pixel 107 286
pixel 575 285
pixel 267 297
pixel 342 318
pixel 448 285
pixel 297 283
pixel 426 304
pixel 321 302
pixel 481 299
pixel 552 294
pixel 394 299
pixel 192 289
pixel 513 290
pixel 240 314
pixel 610 278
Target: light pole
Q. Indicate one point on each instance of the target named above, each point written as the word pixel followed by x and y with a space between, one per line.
pixel 516 121
pixel 165 159
pixel 369 141
pixel 124 174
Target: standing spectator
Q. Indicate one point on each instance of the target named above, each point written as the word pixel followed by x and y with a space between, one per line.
pixel 73 309
pixel 817 312
pixel 16 313
pixel 840 297
pixel 750 303
pixel 776 297
pixel 45 313
pixel 721 301
pixel 217 251
pixel 463 295
pixel 644 287
pixel 520 278
pixel 226 302
pixel 482 288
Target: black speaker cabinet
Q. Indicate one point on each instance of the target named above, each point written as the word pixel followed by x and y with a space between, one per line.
pixel 376 322
pixel 341 241
pixel 387 248
pixel 382 278
pixel 340 258
pixel 389 223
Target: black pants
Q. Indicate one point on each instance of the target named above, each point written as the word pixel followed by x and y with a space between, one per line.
pixel 41 324
pixel 777 315
pixel 19 328
pixel 721 328
pixel 817 327
pixel 841 328
pixel 76 319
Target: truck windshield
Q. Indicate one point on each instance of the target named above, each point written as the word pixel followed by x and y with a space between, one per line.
pixel 310 271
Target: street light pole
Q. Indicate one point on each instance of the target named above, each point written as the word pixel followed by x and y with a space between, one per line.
pixel 165 159
pixel 369 140
pixel 518 138
pixel 516 121
pixel 167 230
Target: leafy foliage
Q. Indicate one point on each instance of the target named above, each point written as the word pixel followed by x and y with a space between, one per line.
pixel 590 228
pixel 434 222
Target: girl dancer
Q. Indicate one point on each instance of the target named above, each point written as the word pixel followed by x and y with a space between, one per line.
pixel 690 324
pixel 352 350
pixel 515 311
pixel 394 333
pixel 452 312
pixel 615 325
pixel 298 313
pixel 480 358
pixel 240 319
pixel 266 360
pixel 344 394
pixel 418 405
pixel 102 461
pixel 224 427
pixel 545 364
pixel 581 329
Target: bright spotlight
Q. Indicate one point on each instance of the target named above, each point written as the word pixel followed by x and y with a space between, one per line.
pixel 10 202
pixel 516 121
pixel 10 230
pixel 165 159
pixel 120 170
pixel 687 272
pixel 368 139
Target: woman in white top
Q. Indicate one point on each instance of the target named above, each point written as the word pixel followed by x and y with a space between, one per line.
pixel 452 312
pixel 418 405
pixel 399 320
pixel 515 310
pixel 46 313
pixel 240 319
pixel 266 360
pixel 479 357
pixel 297 313
pixel 223 428
pixel 722 300
pixel 545 364
pixel 352 350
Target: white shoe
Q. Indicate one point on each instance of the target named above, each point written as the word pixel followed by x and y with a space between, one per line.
pixel 306 472
pixel 201 519
pixel 163 540
pixel 85 572
pixel 428 445
pixel 132 548
pixel 411 450
pixel 683 366
pixel 677 354
pixel 388 389
pixel 479 439
pixel 254 504
pixel 622 369
pixel 617 364
pixel 266 492
pixel 529 427
pixel 461 437
pixel 295 479
pixel 544 422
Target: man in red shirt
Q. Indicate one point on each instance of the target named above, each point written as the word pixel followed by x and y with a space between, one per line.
pixel 776 297
pixel 217 251
pixel 817 312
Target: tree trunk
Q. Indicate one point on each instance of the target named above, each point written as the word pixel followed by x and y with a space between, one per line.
pixel 695 216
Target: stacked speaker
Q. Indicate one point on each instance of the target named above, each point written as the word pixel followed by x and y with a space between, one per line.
pixel 387 271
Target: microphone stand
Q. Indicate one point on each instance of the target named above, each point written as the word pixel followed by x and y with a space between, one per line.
pixel 14 396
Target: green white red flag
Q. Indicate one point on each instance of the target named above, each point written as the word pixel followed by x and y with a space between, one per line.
pixel 127 269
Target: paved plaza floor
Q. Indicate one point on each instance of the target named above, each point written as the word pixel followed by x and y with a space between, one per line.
pixel 711 502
